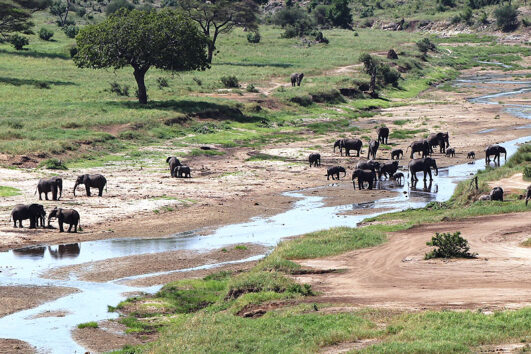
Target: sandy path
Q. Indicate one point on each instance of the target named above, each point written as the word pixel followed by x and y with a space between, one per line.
pixel 514 183
pixel 395 274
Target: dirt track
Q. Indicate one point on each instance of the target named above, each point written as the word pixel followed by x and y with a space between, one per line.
pixel 395 274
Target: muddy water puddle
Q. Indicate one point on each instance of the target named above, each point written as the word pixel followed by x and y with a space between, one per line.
pixel 309 213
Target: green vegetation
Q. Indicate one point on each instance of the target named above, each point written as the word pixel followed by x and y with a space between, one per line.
pixel 91 324
pixel 9 191
pixel 449 245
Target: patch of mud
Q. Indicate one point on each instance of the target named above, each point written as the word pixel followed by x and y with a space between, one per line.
pixel 17 298
pixel 14 346
pixel 347 347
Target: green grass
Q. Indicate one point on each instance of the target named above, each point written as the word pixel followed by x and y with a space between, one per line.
pixel 91 324
pixel 9 191
pixel 405 133
pixel 526 243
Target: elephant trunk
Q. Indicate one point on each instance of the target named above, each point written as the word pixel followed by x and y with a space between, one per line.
pixel 436 170
pixel 75 186
pixel 49 218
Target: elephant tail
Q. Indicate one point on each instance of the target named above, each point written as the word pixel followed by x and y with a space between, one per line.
pixel 35 191
pixel 408 148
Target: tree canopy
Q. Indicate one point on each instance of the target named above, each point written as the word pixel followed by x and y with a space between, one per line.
pixel 166 40
pixel 15 15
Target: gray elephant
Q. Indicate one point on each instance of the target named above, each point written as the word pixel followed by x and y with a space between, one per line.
pixel 315 160
pixel 496 194
pixel 296 79
pixel 182 172
pixel 335 171
pixel 528 194
pixel 399 176
pixel 450 152
pixel 53 185
pixel 173 162
pixel 370 165
pixel 442 140
pixel 91 181
pixel 363 176
pixel 398 153
pixel 422 165
pixel 65 216
pixel 33 212
pixel 420 146
pixel 348 144
pixel 496 151
pixel 373 148
pixel 471 155
pixel 388 169
pixel 383 135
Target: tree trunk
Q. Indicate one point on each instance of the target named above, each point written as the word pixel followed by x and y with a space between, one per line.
pixel 211 47
pixel 139 77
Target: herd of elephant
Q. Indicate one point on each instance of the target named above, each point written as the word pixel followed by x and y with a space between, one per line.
pixel 54 185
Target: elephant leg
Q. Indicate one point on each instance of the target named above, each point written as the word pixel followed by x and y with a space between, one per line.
pixel 61 226
pixel 46 195
pixel 328 177
pixel 20 224
pixel 87 188
pixel 370 184
pixel 75 227
pixel 429 173
pixel 100 193
pixel 40 196
pixel 70 228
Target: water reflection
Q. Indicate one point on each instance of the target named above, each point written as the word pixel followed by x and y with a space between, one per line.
pixel 71 250
pixel 30 252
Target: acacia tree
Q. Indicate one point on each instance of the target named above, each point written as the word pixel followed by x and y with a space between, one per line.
pixel 371 67
pixel 15 15
pixel 221 16
pixel 166 40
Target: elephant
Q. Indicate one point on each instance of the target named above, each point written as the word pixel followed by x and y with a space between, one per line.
pixel 315 160
pixel 420 146
pixel 335 171
pixel 296 79
pixel 373 148
pixel 181 171
pixel 363 176
pixel 389 169
pixel 496 194
pixel 370 165
pixel 70 250
pixel 399 176
pixel 94 181
pixel 422 165
pixel 383 135
pixel 65 216
pixel 50 185
pixel 348 144
pixel 33 212
pixel 471 155
pixel 528 194
pixel 495 150
pixel 439 139
pixel 450 152
pixel 398 153
pixel 174 162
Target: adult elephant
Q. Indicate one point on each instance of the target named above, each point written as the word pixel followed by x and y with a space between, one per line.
pixel 65 216
pixel 388 169
pixel 373 148
pixel 496 151
pixel 335 171
pixel 348 144
pixel 496 194
pixel 442 140
pixel 372 165
pixel 422 165
pixel 91 181
pixel 315 160
pixel 383 135
pixel 363 176
pixel 33 212
pixel 420 146
pixel 53 185
pixel 296 79
pixel 173 162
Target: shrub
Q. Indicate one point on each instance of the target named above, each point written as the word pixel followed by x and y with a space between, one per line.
pixel 18 41
pixel 483 18
pixel 319 38
pixel 477 4
pixel 251 88
pixel 119 90
pixel 506 18
pixel 73 51
pixel 289 16
pixel 81 11
pixel 327 96
pixel 197 81
pixel 253 37
pixel 116 5
pixel 42 85
pixel 230 81
pixel 449 246
pixel 162 83
pixel 527 172
pixel 339 14
pixel 88 325
pixel 526 22
pixel 367 12
pixel 53 164
pixel 466 15
pixel 425 45
pixel 254 282
pixel 390 75
pixel 71 31
pixel 45 34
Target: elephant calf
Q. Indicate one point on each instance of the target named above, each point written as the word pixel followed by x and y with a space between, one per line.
pixel 399 176
pixel 398 153
pixel 496 194
pixel 388 169
pixel 182 171
pixel 471 155
pixel 363 176
pixel 335 171
pixel 65 216
pixel 296 79
pixel 373 148
pixel 94 181
pixel 33 212
pixel 450 152
pixel 315 160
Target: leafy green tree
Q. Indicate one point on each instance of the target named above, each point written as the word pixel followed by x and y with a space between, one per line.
pixel 370 64
pixel 506 18
pixel 339 14
pixel 166 40
pixel 15 15
pixel 60 9
pixel 116 5
pixel 221 16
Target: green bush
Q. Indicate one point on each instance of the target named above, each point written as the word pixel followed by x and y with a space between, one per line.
pixel 162 82
pixel 71 31
pixel 88 325
pixel 327 96
pixel 251 88
pixel 118 89
pixel 506 18
pixel 72 51
pixel 45 34
pixel 304 101
pixel 18 41
pixel 53 164
pixel 449 246
pixel 527 172
pixel 320 38
pixel 253 37
pixel 116 5
pixel 230 81
pixel 258 281
pixel 425 45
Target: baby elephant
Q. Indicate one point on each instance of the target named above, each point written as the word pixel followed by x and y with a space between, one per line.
pixel 450 152
pixel 398 153
pixel 182 171
pixel 94 181
pixel 315 160
pixel 335 171
pixel 389 169
pixel 296 79
pixel 471 155
pixel 399 176
pixel 65 216
pixel 496 194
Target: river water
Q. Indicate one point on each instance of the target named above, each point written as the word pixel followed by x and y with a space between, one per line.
pixel 53 334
